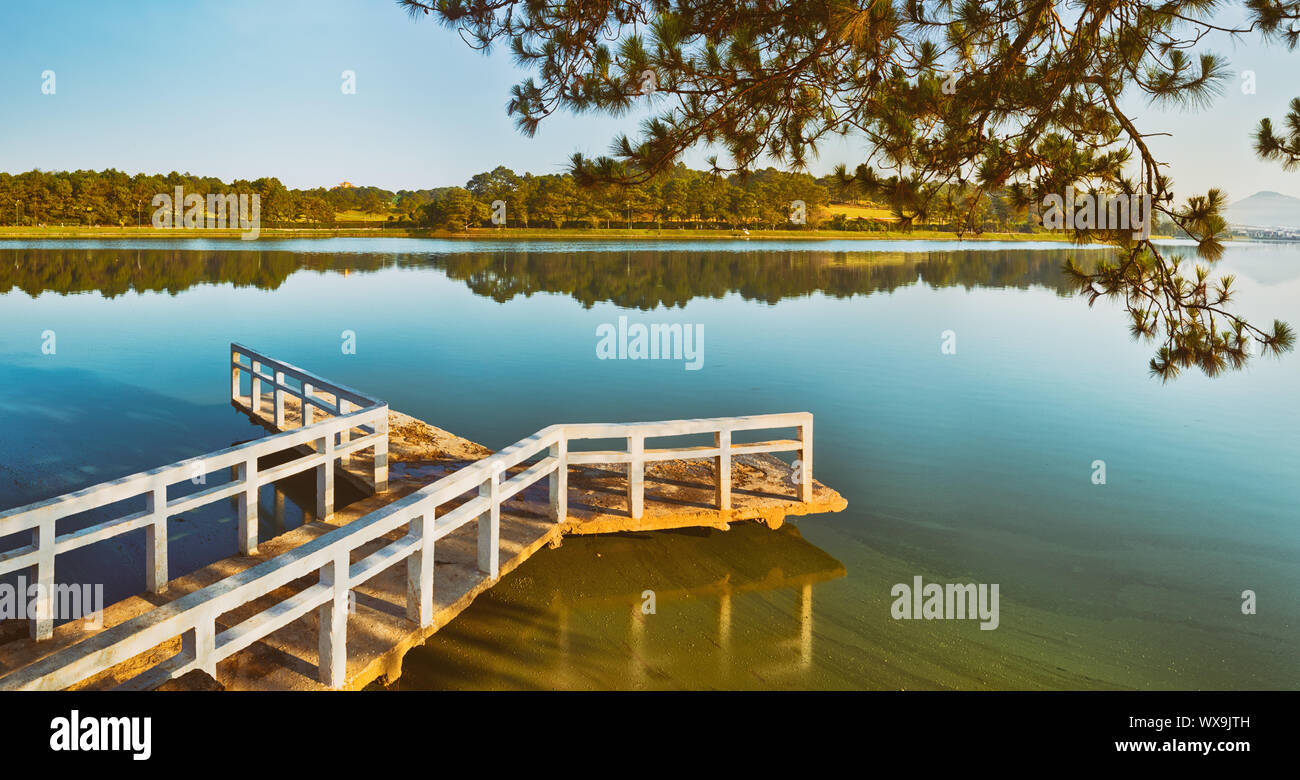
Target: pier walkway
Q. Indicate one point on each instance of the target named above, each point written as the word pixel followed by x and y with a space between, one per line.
pixel 337 602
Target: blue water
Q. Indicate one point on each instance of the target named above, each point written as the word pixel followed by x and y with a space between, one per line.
pixel 968 467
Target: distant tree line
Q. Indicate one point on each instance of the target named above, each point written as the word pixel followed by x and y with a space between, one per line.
pixel 680 198
pixel 114 198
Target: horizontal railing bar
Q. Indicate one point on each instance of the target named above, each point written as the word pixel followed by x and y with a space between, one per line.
pixel 102 651
pixel 523 479
pixel 676 453
pixel 289 468
pixel 685 427
pixel 359 443
pixel 30 516
pixel 359 417
pixel 270 620
pixel 579 458
pixel 101 531
pixel 379 560
pixel 459 516
pixel 325 406
pixel 511 456
pixel 776 445
pixel 591 457
pixel 204 497
pixel 21 558
pixel 299 465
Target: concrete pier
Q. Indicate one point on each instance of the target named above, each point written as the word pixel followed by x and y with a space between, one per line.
pixel 384 591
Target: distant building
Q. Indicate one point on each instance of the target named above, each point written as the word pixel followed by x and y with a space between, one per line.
pixel 1270 233
pixel 346 185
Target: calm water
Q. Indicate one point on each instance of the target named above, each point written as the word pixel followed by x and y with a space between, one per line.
pixel 973 467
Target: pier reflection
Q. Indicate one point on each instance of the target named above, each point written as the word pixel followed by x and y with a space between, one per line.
pixel 628 611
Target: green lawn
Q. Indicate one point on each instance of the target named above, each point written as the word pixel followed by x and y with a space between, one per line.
pixel 853 211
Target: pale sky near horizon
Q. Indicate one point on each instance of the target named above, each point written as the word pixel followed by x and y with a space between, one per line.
pixel 242 89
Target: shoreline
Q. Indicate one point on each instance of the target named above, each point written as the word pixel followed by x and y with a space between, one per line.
pixel 521 234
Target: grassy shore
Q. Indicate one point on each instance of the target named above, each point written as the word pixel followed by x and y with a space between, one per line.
pixel 54 232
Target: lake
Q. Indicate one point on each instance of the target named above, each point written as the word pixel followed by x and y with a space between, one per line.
pixel 976 466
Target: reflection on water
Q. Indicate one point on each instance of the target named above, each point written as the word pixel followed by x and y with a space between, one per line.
pixel 632 278
pixel 611 612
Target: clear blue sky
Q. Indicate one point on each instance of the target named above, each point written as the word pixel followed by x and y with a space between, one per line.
pixel 241 89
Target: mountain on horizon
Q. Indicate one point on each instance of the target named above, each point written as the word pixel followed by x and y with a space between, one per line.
pixel 1265 209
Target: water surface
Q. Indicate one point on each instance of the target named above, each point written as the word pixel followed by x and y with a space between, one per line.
pixel 973 467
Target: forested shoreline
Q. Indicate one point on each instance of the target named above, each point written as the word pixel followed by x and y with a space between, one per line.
pixel 680 198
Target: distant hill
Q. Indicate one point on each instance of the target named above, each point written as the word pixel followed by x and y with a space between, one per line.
pixel 1266 209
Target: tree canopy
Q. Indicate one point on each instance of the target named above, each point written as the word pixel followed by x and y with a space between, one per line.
pixel 677 195
pixel 952 100
pixel 113 197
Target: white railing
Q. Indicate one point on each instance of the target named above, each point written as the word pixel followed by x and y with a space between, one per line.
pixel 193 617
pixel 152 486
pixel 721 451
pixel 370 415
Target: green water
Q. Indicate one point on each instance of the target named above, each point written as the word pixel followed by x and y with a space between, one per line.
pixel 973 467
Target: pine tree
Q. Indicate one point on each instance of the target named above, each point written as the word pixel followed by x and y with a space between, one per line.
pixel 956 101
